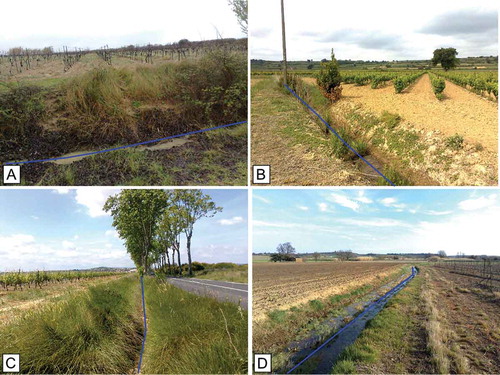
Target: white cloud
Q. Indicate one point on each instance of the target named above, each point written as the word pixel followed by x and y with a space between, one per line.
pixel 393 203
pixel 111 233
pixel 388 201
pixel 233 221
pixel 343 201
pixel 61 190
pixel 437 213
pixel 94 199
pixel 68 245
pixel 76 236
pixel 303 208
pixel 262 199
pixel 361 197
pixel 323 207
pixel 478 203
pixel 471 233
pixel 375 222
pixel 34 217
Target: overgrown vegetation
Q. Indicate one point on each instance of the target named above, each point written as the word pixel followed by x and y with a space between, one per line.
pixel 212 338
pixel 455 142
pixel 94 331
pixel 110 106
pixel 237 273
pixel 388 339
pixel 283 327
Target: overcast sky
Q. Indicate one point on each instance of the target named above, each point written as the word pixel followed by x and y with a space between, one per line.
pixel 378 220
pixel 67 229
pixel 373 30
pixel 95 23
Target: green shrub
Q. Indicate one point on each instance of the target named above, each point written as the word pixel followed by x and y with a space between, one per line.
pixel 390 119
pixel 455 142
pixel 339 149
pixel 278 316
pixel 21 108
pixel 316 305
pixel 394 176
pixel 329 79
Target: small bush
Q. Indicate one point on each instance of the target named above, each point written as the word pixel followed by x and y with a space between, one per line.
pixel 390 119
pixel 316 305
pixel 361 147
pixel 21 108
pixel 394 176
pixel 329 79
pixel 455 142
pixel 339 149
pixel 278 316
pixel 478 147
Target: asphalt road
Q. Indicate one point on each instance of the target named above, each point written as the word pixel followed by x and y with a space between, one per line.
pixel 221 290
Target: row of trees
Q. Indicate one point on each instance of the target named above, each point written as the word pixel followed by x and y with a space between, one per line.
pixel 151 222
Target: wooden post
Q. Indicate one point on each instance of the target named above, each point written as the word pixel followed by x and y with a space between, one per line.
pixel 284 41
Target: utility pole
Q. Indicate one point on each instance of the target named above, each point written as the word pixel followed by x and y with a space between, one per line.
pixel 284 41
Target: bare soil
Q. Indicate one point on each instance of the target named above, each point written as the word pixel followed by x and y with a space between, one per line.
pixel 462 112
pixel 472 315
pixel 284 285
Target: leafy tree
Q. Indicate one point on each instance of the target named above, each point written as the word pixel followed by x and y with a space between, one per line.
pixel 285 248
pixel 329 79
pixel 277 257
pixel 240 9
pixel 446 57
pixel 135 216
pixel 170 228
pixel 310 66
pixel 193 205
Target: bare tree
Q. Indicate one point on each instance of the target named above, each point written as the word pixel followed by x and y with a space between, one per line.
pixel 240 8
pixel 345 255
pixel 285 248
pixel 442 253
pixel 316 256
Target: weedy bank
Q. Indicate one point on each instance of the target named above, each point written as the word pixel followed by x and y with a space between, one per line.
pixel 110 106
pixel 191 334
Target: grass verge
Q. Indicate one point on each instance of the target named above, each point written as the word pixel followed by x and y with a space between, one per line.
pixel 236 274
pixel 191 334
pixel 95 331
pixel 387 344
pixel 274 334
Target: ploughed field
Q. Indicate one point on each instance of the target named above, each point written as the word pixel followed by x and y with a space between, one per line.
pixel 284 285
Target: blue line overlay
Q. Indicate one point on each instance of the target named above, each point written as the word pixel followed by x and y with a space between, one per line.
pixel 145 326
pixel 128 146
pixel 338 136
pixel 388 295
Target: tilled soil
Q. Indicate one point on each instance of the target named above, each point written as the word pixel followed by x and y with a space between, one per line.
pixel 462 112
pixel 472 315
pixel 283 285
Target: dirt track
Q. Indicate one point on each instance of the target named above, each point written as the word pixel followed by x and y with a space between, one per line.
pixel 461 111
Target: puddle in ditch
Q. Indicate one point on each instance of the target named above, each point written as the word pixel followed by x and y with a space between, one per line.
pixel 323 361
pixel 164 145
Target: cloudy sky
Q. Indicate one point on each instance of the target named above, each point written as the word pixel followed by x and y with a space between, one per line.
pixel 95 23
pixel 378 220
pixel 373 30
pixel 67 229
